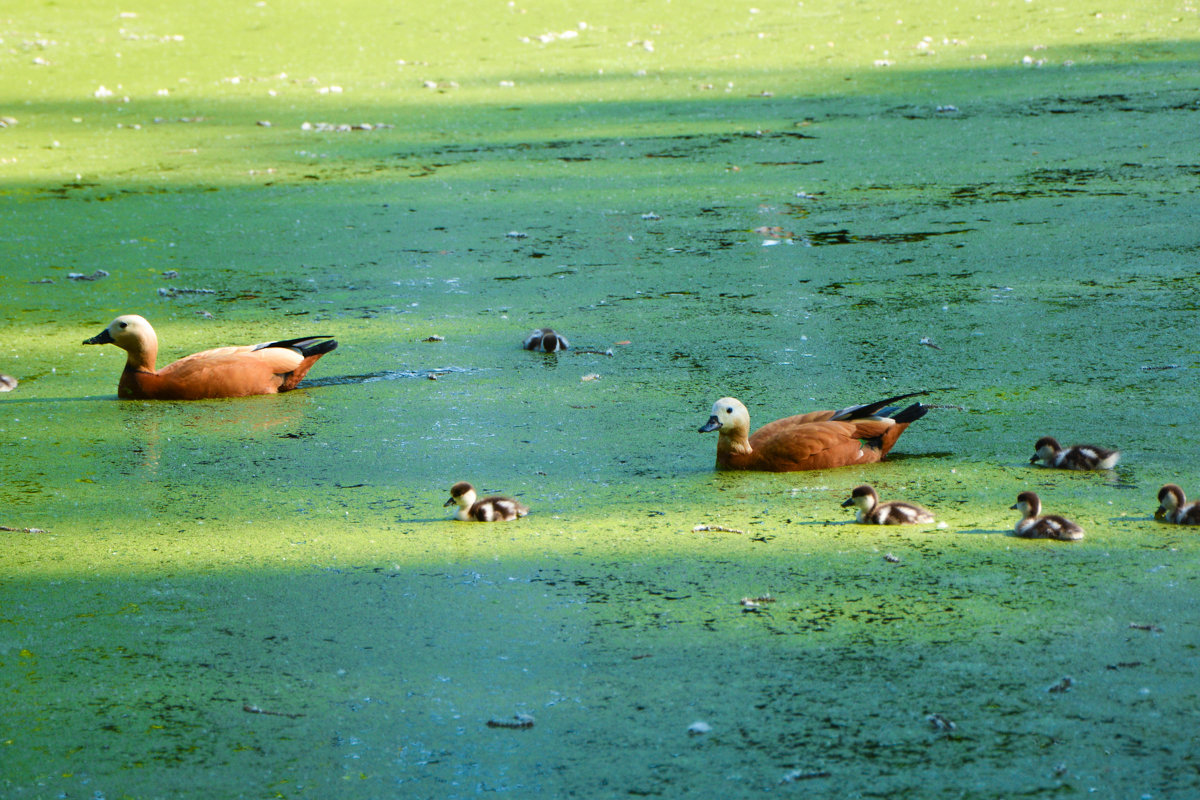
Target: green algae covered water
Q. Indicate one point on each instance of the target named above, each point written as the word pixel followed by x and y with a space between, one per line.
pixel 804 205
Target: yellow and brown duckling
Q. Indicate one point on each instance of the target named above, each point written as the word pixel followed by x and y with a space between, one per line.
pixel 489 509
pixel 860 434
pixel 893 512
pixel 1174 507
pixel 1079 456
pixel 1035 526
pixel 546 340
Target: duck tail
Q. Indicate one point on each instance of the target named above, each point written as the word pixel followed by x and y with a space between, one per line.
pixel 873 409
pixel 911 414
pixel 307 346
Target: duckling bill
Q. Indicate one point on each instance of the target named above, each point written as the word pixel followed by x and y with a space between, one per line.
pixel 224 372
pixel 893 512
pixel 489 509
pixel 1079 456
pixel 861 434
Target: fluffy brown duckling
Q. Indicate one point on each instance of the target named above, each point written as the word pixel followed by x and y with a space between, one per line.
pixel 546 340
pixel 1051 526
pixel 817 440
pixel 1079 456
pixel 489 509
pixel 893 512
pixel 1174 507
pixel 224 372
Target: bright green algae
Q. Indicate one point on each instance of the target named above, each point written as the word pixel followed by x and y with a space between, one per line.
pixel 290 554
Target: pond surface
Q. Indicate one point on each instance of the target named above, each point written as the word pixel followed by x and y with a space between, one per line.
pixel 803 205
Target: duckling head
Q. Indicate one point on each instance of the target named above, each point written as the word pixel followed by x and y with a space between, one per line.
pixel 1045 449
pixel 461 493
pixel 729 417
pixel 1170 497
pixel 1028 503
pixel 864 497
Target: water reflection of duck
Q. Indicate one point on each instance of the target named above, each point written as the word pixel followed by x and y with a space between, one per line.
pixel 1079 456
pixel 1174 507
pixel 817 440
pixel 489 509
pixel 223 372
pixel 893 512
pixel 1051 526
pixel 546 340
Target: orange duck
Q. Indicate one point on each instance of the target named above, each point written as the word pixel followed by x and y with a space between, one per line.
pixel 816 440
pixel 223 372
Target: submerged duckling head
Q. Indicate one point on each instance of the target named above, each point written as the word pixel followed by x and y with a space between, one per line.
pixel 864 497
pixel 1028 503
pixel 729 417
pixel 546 340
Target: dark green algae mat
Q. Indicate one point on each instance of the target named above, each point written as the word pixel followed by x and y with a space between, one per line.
pixel 804 205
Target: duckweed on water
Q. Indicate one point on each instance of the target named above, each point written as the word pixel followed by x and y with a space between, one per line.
pixel 265 598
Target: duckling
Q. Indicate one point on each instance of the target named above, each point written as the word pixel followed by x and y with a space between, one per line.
pixel 1174 507
pixel 223 372
pixel 860 434
pixel 489 509
pixel 893 512
pixel 1050 526
pixel 1080 456
pixel 546 340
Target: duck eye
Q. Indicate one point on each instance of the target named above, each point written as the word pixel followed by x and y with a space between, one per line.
pixel 729 410
pixel 124 324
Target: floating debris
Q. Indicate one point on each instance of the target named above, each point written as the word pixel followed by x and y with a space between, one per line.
pixel 43 280
pixel 518 722
pixel 925 340
pixel 803 775
pixel 344 127
pixel 7 122
pixel 699 728
pixel 263 123
pixel 1138 626
pixel 1164 366
pixel 22 530
pixel 947 109
pixel 7 382
pixel 434 338
pixel 1062 686
pixel 651 216
pixel 172 291
pixel 891 559
pixel 95 276
pixel 516 235
pixel 591 376
pixel 941 723
pixel 170 274
pixel 249 709
pixel 756 602
pixel 717 528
